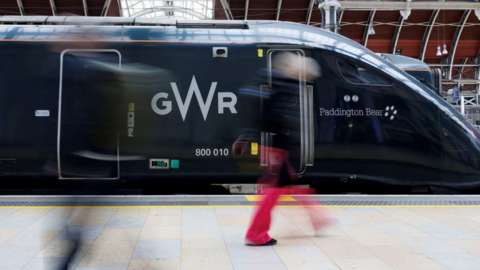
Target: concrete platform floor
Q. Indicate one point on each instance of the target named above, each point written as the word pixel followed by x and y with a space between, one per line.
pixel 212 237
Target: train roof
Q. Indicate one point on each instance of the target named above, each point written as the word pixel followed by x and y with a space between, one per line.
pixel 120 21
pixel 219 30
pixel 404 62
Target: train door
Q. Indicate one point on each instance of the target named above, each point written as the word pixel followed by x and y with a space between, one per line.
pixel 87 141
pixel 301 136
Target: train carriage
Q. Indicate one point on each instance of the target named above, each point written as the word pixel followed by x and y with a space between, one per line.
pixel 148 100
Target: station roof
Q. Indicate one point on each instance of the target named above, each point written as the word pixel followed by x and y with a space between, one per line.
pixel 429 24
pixel 418 35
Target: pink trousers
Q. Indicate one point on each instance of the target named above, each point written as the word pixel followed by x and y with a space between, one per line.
pixel 257 233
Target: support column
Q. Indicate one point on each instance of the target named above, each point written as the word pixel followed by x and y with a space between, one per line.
pixel 329 14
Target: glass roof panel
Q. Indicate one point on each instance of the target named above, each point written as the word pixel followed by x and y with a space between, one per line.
pixel 178 9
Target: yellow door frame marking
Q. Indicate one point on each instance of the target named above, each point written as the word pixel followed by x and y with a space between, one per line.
pixel 254 148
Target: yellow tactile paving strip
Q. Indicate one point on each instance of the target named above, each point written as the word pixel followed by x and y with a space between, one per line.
pixel 283 198
pixel 247 206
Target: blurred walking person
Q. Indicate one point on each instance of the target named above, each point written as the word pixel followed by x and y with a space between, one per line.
pixel 282 121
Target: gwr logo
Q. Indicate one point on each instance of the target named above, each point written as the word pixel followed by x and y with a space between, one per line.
pixel 204 106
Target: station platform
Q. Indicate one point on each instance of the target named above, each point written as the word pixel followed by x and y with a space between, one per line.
pixel 207 232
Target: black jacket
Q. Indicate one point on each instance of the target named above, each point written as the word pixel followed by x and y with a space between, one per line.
pixel 281 110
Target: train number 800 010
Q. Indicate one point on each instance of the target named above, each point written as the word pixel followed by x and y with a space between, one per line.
pixel 206 152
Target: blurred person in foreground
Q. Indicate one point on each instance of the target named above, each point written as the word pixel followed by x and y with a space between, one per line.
pixel 98 108
pixel 281 120
pixel 83 43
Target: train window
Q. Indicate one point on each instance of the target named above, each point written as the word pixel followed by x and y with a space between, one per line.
pixel 360 75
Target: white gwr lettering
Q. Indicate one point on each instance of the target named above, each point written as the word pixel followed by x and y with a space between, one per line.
pixel 223 104
pixel 166 104
pixel 204 105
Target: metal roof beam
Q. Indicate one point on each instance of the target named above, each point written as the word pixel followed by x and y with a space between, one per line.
pixel 213 9
pixel 396 35
pixel 476 62
pixel 309 12
pixel 227 10
pixel 246 8
pixel 279 8
pixel 54 10
pixel 340 16
pixel 426 36
pixel 462 68
pixel 21 8
pixel 128 9
pixel 455 65
pixel 456 38
pixel 85 8
pixel 367 28
pixel 120 9
pixel 105 8
pixel 476 70
pixel 395 5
